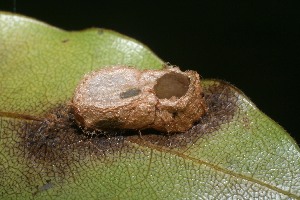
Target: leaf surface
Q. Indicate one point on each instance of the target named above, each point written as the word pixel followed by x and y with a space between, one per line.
pixel 235 151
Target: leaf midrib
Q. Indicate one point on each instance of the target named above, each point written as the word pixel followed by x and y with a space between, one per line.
pixel 215 167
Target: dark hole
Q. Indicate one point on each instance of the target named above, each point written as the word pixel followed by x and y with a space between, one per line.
pixel 174 114
pixel 171 84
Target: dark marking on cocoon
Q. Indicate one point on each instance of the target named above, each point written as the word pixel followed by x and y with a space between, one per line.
pixel 130 93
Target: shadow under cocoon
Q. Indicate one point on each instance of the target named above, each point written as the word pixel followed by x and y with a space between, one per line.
pixel 56 147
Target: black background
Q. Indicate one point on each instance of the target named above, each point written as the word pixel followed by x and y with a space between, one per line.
pixel 254 46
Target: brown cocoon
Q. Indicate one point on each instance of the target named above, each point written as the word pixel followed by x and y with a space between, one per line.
pixel 121 97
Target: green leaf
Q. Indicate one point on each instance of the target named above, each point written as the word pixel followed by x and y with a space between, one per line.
pixel 235 151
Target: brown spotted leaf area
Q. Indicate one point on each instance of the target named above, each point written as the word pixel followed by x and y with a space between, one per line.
pixel 233 152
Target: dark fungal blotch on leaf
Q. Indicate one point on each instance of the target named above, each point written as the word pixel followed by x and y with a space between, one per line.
pixel 55 147
pixel 166 100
